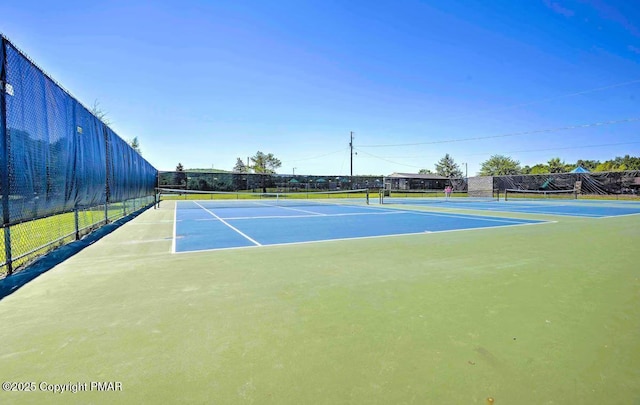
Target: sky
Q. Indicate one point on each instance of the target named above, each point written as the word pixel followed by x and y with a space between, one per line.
pixel 203 83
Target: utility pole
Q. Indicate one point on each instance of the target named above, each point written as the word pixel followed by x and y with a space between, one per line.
pixel 351 147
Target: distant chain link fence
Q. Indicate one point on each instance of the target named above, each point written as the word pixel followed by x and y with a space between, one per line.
pixel 64 172
pixel 268 183
pixel 601 183
pixel 256 182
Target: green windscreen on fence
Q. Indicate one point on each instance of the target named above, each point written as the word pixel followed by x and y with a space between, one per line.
pixel 63 170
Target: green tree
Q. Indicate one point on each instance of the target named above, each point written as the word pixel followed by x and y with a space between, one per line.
pixel 500 165
pixel 265 163
pixel 135 145
pixel 447 167
pixel 619 164
pixel 180 177
pixel 628 163
pixel 240 167
pixel 539 169
pixel 557 166
pixel 587 164
pixel 608 166
pixel 425 171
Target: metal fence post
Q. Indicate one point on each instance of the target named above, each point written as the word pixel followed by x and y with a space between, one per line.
pixel 77 222
pixel 107 177
pixel 4 155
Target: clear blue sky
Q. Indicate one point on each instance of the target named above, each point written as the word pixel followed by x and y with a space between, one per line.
pixel 205 82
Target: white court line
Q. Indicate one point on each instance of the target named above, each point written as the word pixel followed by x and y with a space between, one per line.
pixel 618 216
pixel 469 216
pixel 365 237
pixel 299 210
pixel 313 216
pixel 231 226
pixel 524 211
pixel 175 226
pixel 521 210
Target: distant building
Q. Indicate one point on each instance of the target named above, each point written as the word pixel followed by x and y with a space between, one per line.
pixel 415 181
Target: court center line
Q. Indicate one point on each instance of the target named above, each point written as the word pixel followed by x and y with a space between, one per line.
pixel 300 210
pixel 465 216
pixel 231 226
pixel 521 210
pixel 529 212
pixel 312 216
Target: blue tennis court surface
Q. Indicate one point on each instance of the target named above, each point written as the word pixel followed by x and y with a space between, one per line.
pixel 199 226
pixel 575 208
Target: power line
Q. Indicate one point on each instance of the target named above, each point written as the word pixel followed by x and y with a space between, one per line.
pixel 515 151
pixel 388 161
pixel 562 148
pixel 526 104
pixel 477 138
pixel 316 157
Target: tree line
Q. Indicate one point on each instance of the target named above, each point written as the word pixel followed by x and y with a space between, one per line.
pixel 496 165
pixel 500 165
pixel 260 163
pixel 265 163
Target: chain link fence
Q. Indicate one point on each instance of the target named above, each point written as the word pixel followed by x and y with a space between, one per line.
pixel 64 172
pixel 256 182
pixel 622 183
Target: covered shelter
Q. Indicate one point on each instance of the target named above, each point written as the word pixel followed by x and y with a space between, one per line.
pixel 580 169
pixel 415 181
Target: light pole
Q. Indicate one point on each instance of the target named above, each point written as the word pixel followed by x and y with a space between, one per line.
pixel 294 171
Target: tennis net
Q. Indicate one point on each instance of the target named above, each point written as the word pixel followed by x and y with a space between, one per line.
pixel 416 197
pixel 539 195
pixel 240 199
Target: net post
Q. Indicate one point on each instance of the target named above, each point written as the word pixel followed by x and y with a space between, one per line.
pixel 367 196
